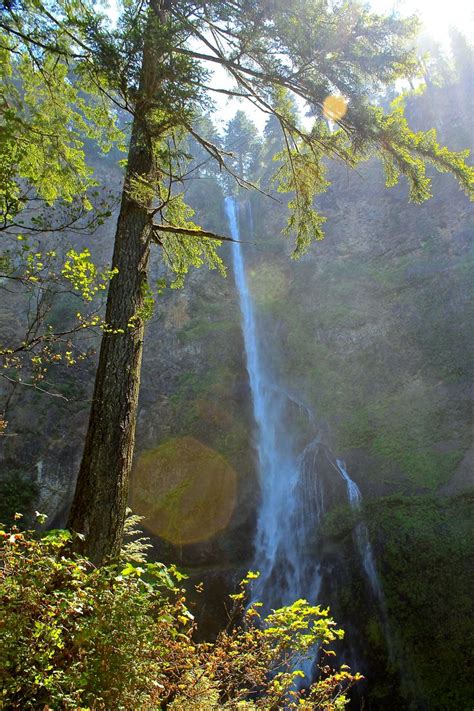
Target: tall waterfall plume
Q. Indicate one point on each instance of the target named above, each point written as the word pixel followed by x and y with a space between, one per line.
pixel 291 483
pixel 286 520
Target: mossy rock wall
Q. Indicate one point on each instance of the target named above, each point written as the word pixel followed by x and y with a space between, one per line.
pixel 425 554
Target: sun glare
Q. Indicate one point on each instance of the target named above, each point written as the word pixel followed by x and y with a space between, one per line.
pixel 436 17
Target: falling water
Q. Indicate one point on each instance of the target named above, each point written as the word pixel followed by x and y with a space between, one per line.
pixel 361 534
pixel 364 548
pixel 292 491
pixel 284 528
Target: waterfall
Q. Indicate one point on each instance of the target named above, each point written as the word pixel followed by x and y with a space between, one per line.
pixel 284 526
pixel 291 484
pixel 362 541
pixel 362 535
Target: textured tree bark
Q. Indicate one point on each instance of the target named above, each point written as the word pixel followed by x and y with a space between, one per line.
pixel 100 500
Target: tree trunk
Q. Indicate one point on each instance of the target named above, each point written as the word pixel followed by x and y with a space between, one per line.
pixel 100 499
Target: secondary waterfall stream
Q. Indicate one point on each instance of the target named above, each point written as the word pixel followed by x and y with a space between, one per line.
pixel 292 491
pixel 362 535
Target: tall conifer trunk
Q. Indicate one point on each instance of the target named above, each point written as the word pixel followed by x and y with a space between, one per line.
pixel 100 499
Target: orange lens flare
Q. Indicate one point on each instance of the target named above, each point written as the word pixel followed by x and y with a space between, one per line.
pixel 334 107
pixel 185 490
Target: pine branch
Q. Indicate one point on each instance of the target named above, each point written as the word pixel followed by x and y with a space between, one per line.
pixel 192 232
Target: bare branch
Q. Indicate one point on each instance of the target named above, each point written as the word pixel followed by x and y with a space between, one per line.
pixel 34 386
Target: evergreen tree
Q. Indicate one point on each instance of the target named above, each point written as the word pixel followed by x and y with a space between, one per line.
pixel 242 142
pixel 463 54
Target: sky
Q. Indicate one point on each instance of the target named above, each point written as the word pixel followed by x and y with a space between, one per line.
pixel 437 17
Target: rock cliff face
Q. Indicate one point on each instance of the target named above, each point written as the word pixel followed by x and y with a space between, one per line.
pixel 379 338
pixel 372 330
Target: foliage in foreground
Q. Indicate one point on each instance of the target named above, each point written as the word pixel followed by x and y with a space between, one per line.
pixel 121 637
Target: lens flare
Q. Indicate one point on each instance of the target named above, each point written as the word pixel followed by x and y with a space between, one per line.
pixel 185 490
pixel 334 107
pixel 268 283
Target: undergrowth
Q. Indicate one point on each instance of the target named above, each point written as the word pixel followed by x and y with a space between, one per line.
pixel 121 637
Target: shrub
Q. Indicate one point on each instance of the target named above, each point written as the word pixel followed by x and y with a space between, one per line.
pixel 121 637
